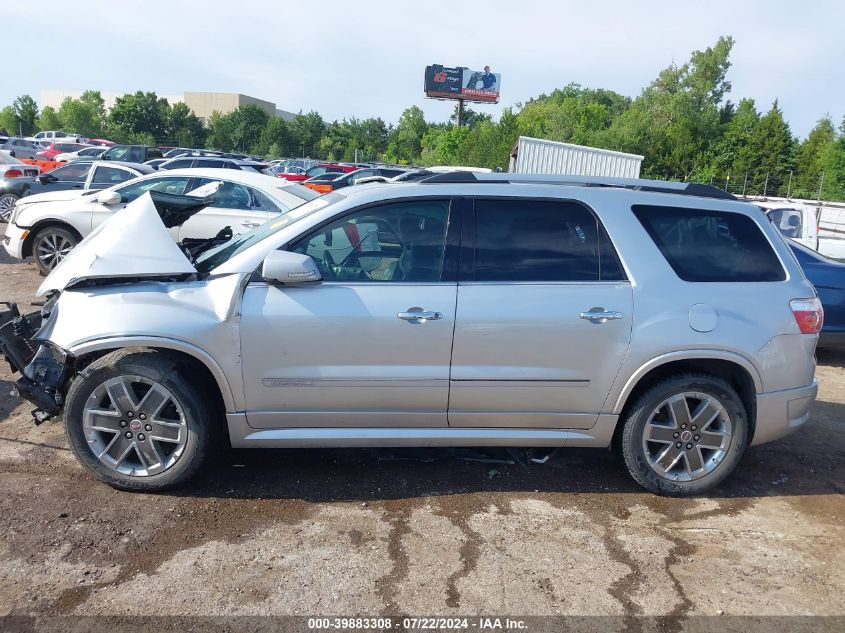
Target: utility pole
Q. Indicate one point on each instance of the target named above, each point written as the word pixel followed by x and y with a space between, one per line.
pixel 727 181
pixel 766 185
pixel 745 184
pixel 821 184
pixel 789 188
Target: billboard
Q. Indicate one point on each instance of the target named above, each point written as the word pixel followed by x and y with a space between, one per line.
pixel 442 82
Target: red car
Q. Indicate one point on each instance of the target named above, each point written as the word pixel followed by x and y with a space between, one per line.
pixel 55 149
pixel 316 170
pixel 100 141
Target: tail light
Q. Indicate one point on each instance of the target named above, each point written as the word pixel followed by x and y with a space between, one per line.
pixel 13 173
pixel 809 314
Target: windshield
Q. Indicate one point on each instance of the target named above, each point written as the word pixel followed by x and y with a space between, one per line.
pixel 212 258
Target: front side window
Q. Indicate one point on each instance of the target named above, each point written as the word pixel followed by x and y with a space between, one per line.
pixel 72 172
pixel 175 185
pixel 109 176
pixel 711 246
pixel 541 241
pixel 398 242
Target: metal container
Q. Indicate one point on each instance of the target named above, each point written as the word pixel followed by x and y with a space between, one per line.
pixel 538 156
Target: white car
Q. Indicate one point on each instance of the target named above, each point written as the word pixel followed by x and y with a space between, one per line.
pixel 95 151
pixel 47 226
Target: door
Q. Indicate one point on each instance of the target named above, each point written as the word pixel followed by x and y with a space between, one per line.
pixel 235 205
pixel 369 345
pixel 135 189
pixel 105 176
pixel 543 317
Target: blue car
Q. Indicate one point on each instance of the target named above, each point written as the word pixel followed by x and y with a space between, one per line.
pixel 828 276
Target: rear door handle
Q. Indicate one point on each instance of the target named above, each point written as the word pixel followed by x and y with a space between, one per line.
pixel 420 315
pixel 600 315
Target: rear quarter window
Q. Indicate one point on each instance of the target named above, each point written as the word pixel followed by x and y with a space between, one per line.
pixel 702 245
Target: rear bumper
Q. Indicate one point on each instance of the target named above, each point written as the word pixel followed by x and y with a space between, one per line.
pixel 779 413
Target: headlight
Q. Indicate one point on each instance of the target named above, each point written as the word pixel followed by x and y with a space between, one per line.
pixel 16 211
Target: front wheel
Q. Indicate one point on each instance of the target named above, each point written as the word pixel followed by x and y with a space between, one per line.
pixel 136 422
pixel 50 246
pixel 685 435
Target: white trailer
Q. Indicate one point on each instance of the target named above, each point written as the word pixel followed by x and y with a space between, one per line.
pixel 817 224
pixel 539 156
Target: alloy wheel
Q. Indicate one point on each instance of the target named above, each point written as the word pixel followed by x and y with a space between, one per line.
pixel 135 426
pixel 51 249
pixel 687 436
pixel 7 204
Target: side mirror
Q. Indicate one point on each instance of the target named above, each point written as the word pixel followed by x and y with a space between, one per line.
pixel 108 197
pixel 45 178
pixel 289 268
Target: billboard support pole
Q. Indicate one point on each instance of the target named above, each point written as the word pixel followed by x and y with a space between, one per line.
pixel 460 112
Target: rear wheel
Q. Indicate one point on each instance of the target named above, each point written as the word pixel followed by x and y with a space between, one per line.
pixel 50 246
pixel 685 435
pixel 7 203
pixel 136 422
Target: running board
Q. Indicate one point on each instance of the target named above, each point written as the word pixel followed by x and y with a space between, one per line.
pixel 244 436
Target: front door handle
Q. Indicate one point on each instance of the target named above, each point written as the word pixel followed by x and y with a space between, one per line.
pixel 251 225
pixel 418 315
pixel 600 315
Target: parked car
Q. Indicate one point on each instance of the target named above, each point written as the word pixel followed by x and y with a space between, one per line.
pixel 132 153
pixel 56 136
pixel 316 170
pixel 81 154
pixel 186 151
pixel 352 178
pixel 49 225
pixel 14 176
pixel 155 163
pixel 85 175
pixel 18 147
pixel 209 162
pixel 101 142
pixel 667 320
pixel 55 149
pixel 828 277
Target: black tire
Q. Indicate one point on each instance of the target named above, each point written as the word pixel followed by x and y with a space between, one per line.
pixel 7 201
pixel 634 427
pixel 52 239
pixel 161 368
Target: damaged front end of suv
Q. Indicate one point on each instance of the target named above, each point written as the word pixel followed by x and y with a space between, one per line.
pixel 117 252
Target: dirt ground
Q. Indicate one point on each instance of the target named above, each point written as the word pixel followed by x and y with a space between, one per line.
pixel 421 532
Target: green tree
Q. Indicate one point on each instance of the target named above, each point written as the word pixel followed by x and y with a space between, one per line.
pixel 275 139
pixel 405 141
pixel 142 113
pixel 9 120
pixel 306 131
pixel 26 113
pixel 49 119
pixel 248 122
pixel 220 130
pixel 85 116
pixel 184 127
pixel 810 157
pixel 833 167
pixel 772 153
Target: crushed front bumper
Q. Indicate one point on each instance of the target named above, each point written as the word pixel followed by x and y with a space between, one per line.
pixel 43 368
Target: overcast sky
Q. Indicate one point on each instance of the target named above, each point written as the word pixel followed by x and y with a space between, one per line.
pixel 357 58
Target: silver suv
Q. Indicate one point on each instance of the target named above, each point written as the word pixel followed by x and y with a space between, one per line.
pixel 664 319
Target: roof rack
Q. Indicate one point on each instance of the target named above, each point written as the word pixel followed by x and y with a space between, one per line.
pixel 635 184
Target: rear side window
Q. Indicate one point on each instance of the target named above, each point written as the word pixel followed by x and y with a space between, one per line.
pixel 531 240
pixel 715 246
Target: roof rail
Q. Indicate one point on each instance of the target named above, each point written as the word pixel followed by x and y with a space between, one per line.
pixel 636 184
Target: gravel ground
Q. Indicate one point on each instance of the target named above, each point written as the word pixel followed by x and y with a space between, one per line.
pixel 421 531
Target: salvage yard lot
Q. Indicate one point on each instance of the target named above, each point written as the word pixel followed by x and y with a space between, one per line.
pixel 420 531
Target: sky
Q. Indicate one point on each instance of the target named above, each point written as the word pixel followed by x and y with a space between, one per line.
pixel 364 59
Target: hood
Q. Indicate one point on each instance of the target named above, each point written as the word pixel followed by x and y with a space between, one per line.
pixel 133 243
pixel 58 196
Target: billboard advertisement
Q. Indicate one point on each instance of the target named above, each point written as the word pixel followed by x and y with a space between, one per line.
pixel 442 82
